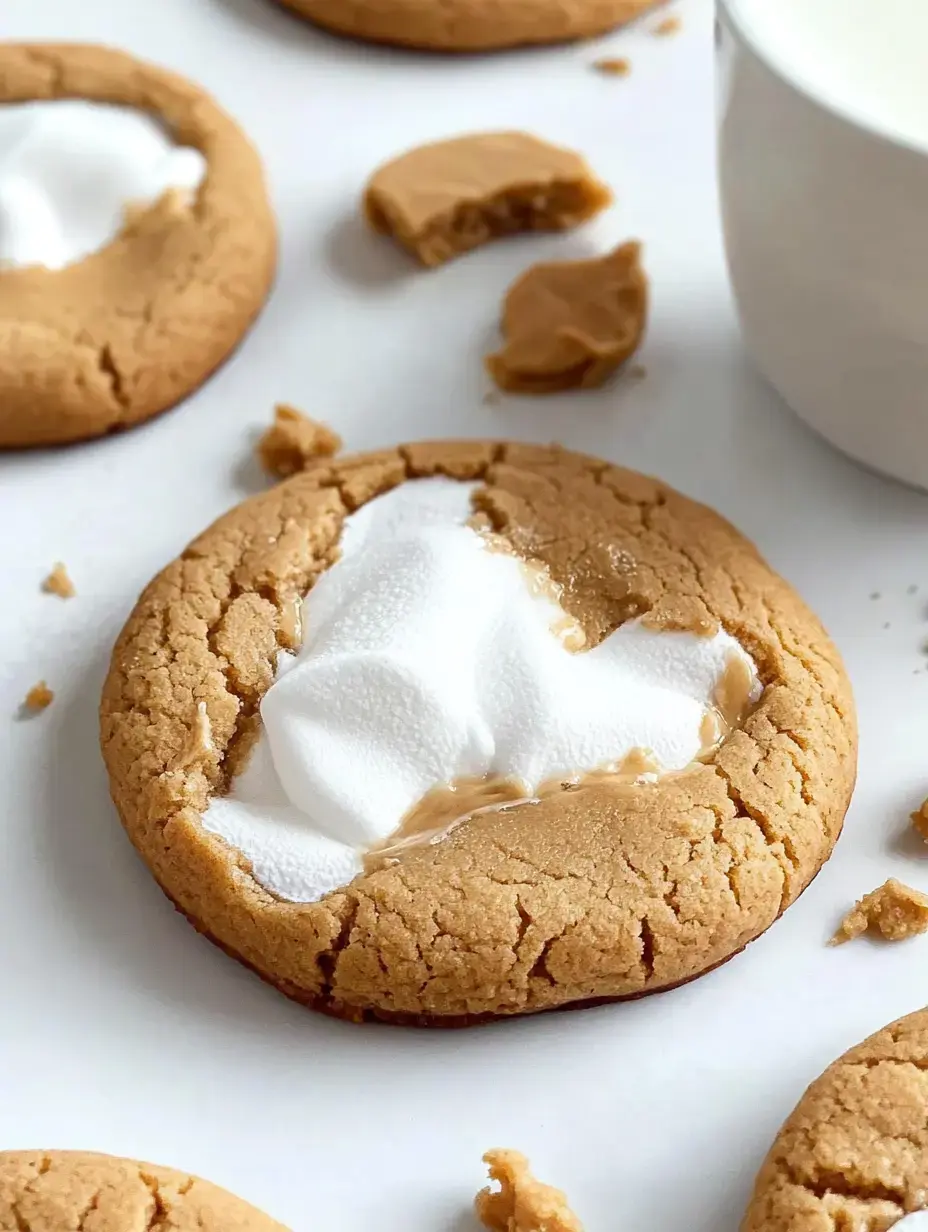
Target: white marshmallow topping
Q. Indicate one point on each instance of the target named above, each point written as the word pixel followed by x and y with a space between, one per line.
pixel 429 658
pixel 69 168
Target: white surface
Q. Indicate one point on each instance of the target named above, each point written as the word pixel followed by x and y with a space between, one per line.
pixel 862 57
pixel 430 657
pixel 124 1031
pixel 824 222
pixel 69 170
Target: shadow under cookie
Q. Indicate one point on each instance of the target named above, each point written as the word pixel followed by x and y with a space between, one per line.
pixel 606 890
pixel 128 331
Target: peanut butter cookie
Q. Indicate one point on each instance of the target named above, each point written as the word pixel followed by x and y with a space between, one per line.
pixel 100 342
pixel 56 1191
pixel 443 199
pixel 492 898
pixel 854 1154
pixel 470 25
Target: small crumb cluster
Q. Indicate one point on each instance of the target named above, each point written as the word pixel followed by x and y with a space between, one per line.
pixel 521 1204
pixel 292 440
pixel 894 910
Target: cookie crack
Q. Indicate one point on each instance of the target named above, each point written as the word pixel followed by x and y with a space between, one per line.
pixel 825 1184
pixel 106 362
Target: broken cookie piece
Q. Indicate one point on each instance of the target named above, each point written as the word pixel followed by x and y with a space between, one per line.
pixel 59 583
pixel 920 820
pixel 293 440
pixel 444 199
pixel 39 697
pixel 895 911
pixel 571 324
pixel 521 1204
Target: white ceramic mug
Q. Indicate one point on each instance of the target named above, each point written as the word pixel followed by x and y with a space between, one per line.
pixel 825 214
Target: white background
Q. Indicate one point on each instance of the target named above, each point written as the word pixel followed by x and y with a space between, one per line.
pixel 120 1029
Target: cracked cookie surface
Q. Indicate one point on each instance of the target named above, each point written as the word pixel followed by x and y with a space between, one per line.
pixel 470 25
pixel 606 892
pixel 60 1191
pixel 854 1153
pixel 131 330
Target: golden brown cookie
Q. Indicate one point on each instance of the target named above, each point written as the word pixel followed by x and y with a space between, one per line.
pixel 135 327
pixel 606 891
pixel 571 324
pixel 854 1154
pixel 57 1191
pixel 470 25
pixel 446 198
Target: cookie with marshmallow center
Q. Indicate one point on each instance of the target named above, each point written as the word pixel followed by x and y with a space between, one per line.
pixel 57 1191
pixel 460 731
pixel 137 242
pixel 854 1153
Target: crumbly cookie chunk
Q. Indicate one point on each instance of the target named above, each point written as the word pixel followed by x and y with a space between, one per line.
pixel 895 911
pixel 521 1204
pixel 571 324
pixel 137 326
pixel 605 892
pixel 920 820
pixel 57 1191
pixel 292 440
pixel 444 199
pixel 59 583
pixel 469 25
pixel 854 1153
pixel 39 697
pixel 613 66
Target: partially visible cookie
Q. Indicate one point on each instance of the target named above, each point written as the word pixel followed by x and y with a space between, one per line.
pixel 58 1191
pixel 571 324
pixel 443 199
pixel 98 343
pixel 470 25
pixel 854 1154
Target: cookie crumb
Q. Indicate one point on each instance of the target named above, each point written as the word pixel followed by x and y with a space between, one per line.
pixel 292 440
pixel 613 66
pixel 875 594
pixel 895 910
pixel 521 1204
pixel 59 583
pixel 492 397
pixel 912 590
pixel 39 697
pixel 637 372
pixel 670 25
pixel 920 820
